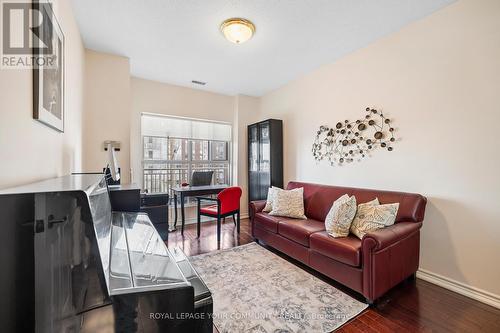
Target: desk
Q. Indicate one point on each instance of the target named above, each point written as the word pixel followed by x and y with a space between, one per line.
pixel 128 198
pixel 125 198
pixel 191 191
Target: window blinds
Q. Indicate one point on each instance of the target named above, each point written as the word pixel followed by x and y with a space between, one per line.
pixel 174 127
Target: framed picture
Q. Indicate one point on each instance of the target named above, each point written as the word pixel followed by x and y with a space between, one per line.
pixel 48 75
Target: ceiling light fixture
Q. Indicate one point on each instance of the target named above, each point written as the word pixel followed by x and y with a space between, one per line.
pixel 237 30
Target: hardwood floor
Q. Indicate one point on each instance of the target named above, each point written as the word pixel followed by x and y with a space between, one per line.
pixel 412 306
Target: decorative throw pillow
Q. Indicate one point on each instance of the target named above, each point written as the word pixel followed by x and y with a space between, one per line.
pixel 374 202
pixel 289 203
pixel 339 218
pixel 361 207
pixel 271 193
pixel 373 217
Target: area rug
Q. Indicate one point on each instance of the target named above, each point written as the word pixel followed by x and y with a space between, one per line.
pixel 255 290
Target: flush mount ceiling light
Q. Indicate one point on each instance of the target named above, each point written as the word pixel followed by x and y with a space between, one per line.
pixel 237 30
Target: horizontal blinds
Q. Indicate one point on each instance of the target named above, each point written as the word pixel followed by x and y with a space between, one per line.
pixel 173 127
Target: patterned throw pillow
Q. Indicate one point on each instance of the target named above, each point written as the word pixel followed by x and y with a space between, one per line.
pixel 271 193
pixel 374 202
pixel 361 207
pixel 339 218
pixel 373 217
pixel 289 203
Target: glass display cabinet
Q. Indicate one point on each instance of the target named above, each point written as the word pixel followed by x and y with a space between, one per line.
pixel 265 157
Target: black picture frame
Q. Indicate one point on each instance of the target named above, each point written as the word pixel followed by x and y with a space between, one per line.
pixel 49 81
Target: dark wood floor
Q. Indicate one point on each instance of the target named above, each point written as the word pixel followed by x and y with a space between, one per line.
pixel 413 306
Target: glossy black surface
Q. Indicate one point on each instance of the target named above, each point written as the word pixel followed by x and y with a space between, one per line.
pixel 201 290
pixel 125 198
pixel 265 157
pixel 156 206
pixel 17 278
pixel 151 264
pixel 128 198
pixel 96 270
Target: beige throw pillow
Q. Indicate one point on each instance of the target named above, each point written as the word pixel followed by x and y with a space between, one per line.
pixel 372 217
pixel 374 202
pixel 289 203
pixel 339 218
pixel 360 208
pixel 271 193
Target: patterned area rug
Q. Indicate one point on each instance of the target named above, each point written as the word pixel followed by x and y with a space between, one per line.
pixel 255 290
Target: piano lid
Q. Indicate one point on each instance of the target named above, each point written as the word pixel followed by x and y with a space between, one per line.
pixel 69 183
pixel 139 260
pixel 133 256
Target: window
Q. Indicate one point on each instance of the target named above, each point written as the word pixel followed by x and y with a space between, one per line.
pixel 175 147
pixel 200 150
pixel 219 151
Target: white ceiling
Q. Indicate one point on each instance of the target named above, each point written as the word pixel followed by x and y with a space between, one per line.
pixel 176 41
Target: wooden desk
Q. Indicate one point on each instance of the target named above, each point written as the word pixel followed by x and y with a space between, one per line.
pixel 191 191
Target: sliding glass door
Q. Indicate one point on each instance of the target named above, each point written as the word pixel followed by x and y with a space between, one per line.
pixel 174 148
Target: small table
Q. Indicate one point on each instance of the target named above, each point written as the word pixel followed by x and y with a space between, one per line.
pixel 191 191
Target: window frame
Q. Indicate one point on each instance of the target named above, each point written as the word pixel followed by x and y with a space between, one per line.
pixel 190 162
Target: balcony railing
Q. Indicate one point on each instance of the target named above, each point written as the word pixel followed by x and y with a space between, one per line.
pixel 157 180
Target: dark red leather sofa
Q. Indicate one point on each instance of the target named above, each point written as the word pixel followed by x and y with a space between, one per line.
pixel 370 266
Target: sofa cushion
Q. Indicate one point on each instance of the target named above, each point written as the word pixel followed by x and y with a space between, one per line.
pixel 299 230
pixel 268 222
pixel 346 249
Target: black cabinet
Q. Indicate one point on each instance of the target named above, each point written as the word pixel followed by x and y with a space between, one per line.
pixel 265 157
pixel 156 206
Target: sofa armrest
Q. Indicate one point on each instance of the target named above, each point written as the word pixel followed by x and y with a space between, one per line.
pixel 385 237
pixel 256 207
pixel 389 255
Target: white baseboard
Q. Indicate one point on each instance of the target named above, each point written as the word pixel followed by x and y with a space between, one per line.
pixel 194 219
pixel 460 288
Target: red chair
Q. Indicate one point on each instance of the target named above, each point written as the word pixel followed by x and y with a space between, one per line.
pixel 228 204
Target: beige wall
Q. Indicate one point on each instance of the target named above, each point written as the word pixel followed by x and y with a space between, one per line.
pixel 439 80
pixel 246 112
pixel 107 111
pixel 161 98
pixel 114 103
pixel 29 150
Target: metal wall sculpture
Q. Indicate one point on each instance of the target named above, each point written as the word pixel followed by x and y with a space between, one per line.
pixel 349 141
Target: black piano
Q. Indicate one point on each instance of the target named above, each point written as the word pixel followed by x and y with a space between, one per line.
pixel 87 268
